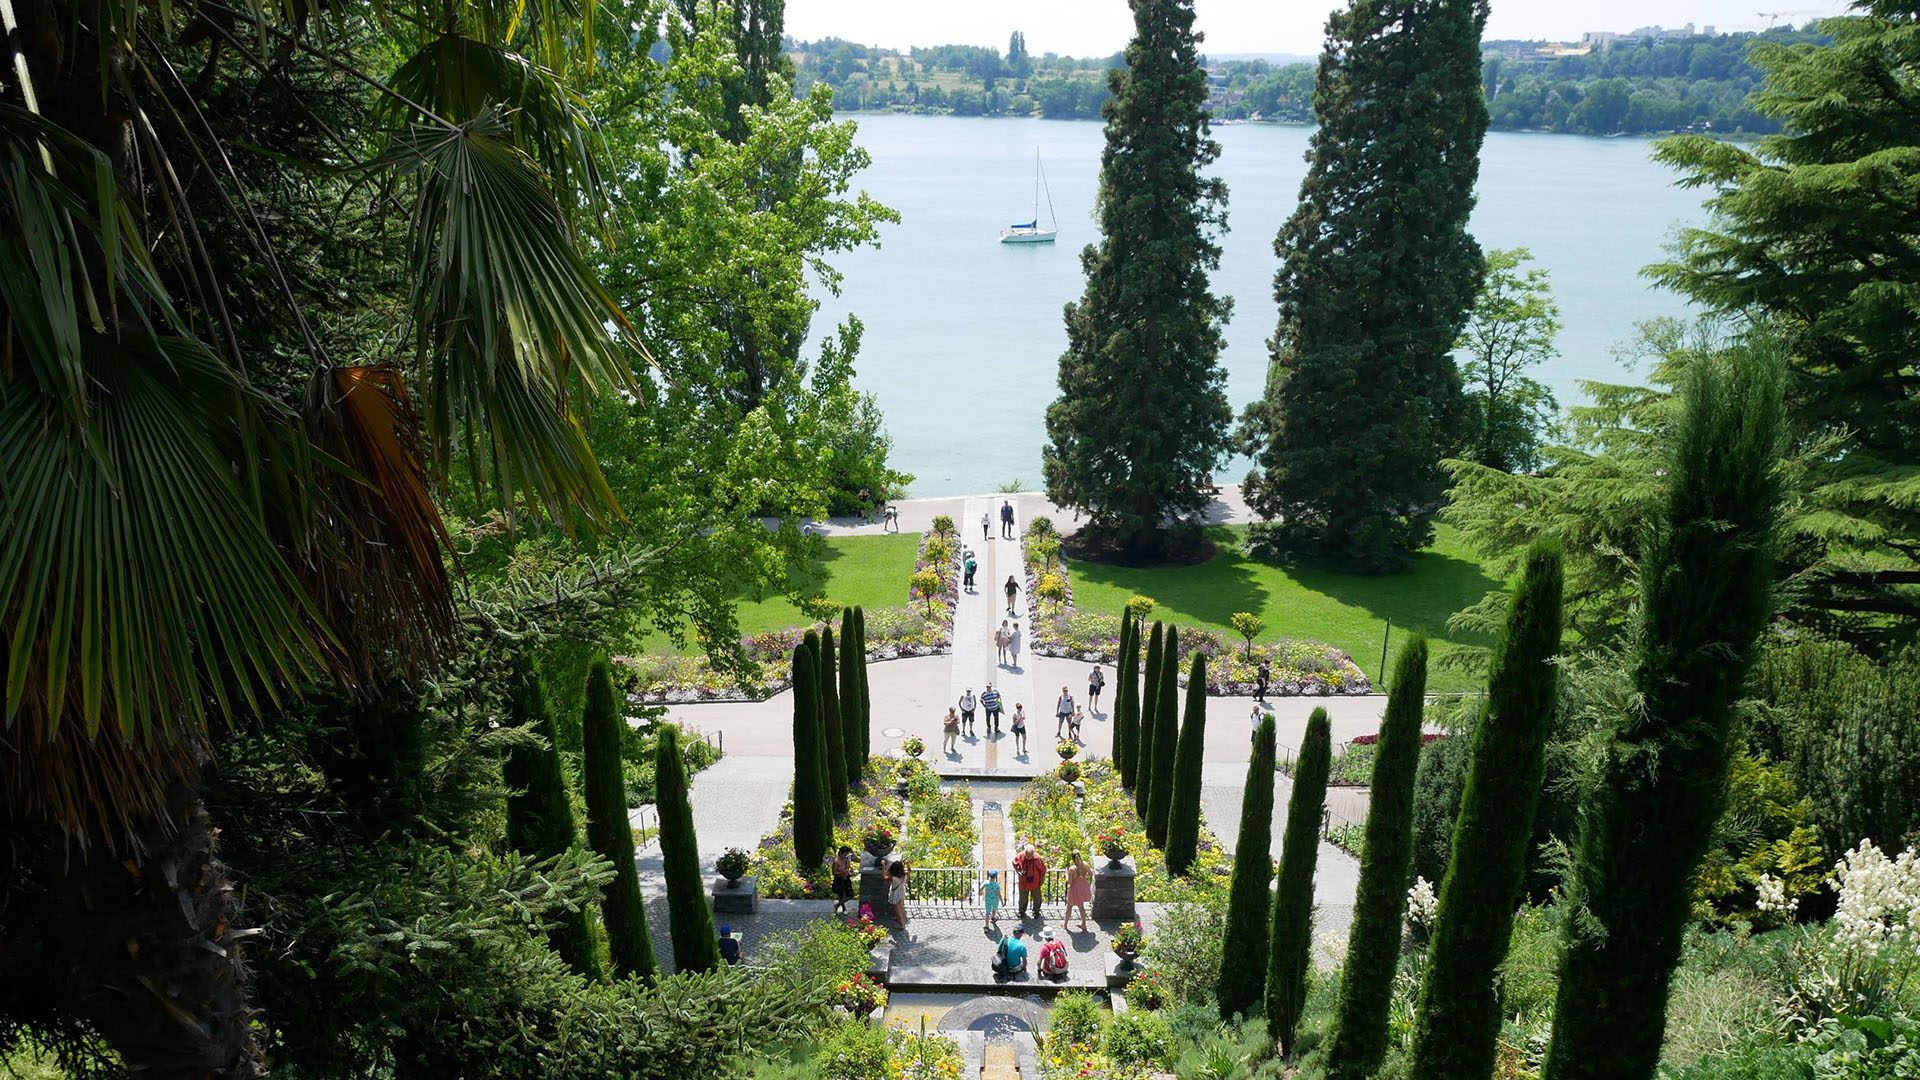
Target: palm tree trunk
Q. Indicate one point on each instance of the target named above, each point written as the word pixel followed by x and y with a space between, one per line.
pixel 153 944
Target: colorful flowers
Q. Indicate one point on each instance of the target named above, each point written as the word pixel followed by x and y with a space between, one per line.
pixel 861 994
pixel 1131 937
pixel 1115 842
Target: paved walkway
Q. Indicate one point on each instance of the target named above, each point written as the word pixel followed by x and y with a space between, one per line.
pixel 916 515
pixel 975 664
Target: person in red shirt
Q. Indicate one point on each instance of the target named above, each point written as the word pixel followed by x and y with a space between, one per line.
pixel 1030 871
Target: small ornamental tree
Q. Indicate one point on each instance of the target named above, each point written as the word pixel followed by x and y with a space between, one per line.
pixel 1183 821
pixel 852 656
pixel 539 811
pixel 810 836
pixel 943 525
pixel 1373 944
pixel 926 585
pixel 1166 739
pixel 1290 941
pixel 1247 625
pixel 695 945
pixel 1126 698
pixel 603 733
pixel 1458 1022
pixel 831 726
pixel 1143 739
pixel 1140 606
pixel 1249 897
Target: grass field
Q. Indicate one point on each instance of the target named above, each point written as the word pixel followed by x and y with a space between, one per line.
pixel 1348 611
pixel 868 571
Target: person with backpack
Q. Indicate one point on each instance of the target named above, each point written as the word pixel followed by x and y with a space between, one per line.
pixel 990 701
pixel 1262 675
pixel 1010 956
pixel 972 564
pixel 1053 956
pixel 1030 872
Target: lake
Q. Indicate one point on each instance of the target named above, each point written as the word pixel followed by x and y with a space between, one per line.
pixel 964 334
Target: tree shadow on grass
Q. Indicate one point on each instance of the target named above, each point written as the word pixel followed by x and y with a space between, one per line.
pixel 1210 592
pixel 1422 597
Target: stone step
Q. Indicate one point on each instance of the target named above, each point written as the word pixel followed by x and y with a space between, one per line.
pixel 1003 1062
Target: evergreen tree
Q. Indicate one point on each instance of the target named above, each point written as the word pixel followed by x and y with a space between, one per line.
pixel 1183 820
pixel 603 733
pixel 1126 684
pixel 866 689
pixel 695 945
pixel 852 659
pixel 1144 738
pixel 1166 739
pixel 812 644
pixel 810 834
pixel 1377 275
pixel 1380 903
pixel 1705 579
pixel 1144 341
pixel 1459 1015
pixel 832 726
pixel 1290 941
pixel 539 811
pixel 1249 897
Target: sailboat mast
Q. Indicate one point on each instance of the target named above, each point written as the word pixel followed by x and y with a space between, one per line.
pixel 1043 180
pixel 1036 185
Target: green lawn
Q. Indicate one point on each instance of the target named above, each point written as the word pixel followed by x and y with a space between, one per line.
pixel 868 571
pixel 1348 611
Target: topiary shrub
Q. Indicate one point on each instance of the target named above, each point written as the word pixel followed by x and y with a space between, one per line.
pixel 1041 525
pixel 1140 606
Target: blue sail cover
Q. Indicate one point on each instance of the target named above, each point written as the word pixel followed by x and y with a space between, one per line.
pixel 1034 224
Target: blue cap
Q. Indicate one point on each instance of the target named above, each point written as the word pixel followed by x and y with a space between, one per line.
pixel 725 929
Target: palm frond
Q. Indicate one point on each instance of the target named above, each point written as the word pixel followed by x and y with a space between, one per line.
pixel 139 580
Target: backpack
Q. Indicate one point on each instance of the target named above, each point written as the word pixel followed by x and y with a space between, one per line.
pixel 1000 958
pixel 1053 960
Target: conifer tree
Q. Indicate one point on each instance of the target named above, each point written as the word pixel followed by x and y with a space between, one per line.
pixel 866 689
pixel 832 726
pixel 1704 583
pixel 810 834
pixel 1183 820
pixel 1126 684
pixel 1249 897
pixel 539 811
pixel 1377 275
pixel 603 731
pixel 1144 340
pixel 690 924
pixel 1143 739
pixel 1459 1012
pixel 1373 944
pixel 1290 941
pixel 852 658
pixel 1166 739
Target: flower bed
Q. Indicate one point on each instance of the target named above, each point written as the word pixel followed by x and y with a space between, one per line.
pixel 941 832
pixel 780 875
pixel 1047 816
pixel 892 633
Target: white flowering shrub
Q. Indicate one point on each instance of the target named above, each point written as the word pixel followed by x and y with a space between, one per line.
pixel 1879 899
pixel 1859 965
pixel 1422 905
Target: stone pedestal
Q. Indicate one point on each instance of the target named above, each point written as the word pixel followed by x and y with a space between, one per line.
pixel 740 898
pixel 873 886
pixel 1120 972
pixel 880 961
pixel 1113 891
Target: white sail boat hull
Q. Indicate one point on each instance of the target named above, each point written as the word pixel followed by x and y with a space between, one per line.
pixel 1030 232
pixel 1028 236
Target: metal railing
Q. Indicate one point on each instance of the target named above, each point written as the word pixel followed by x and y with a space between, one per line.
pixel 931 889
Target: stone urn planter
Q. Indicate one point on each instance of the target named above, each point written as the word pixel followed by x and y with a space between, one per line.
pixel 880 841
pixel 733 865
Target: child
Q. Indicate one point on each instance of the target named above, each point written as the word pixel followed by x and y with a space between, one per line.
pixel 842 880
pixel 990 897
pixel 1073 724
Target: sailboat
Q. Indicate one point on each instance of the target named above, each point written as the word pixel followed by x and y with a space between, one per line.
pixel 1030 232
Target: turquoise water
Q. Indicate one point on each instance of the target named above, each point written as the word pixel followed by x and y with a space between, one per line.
pixel 963 333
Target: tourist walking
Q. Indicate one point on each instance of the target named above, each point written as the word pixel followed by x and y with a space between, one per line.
pixel 1030 873
pixel 986 524
pixel 972 564
pixel 1020 729
pixel 897 890
pixel 1006 519
pixel 967 704
pixel 1013 646
pixel 1000 639
pixel 990 701
pixel 1096 682
pixel 990 897
pixel 1256 718
pixel 1012 589
pixel 1062 712
pixel 842 880
pixel 1261 675
pixel 950 732
pixel 1079 888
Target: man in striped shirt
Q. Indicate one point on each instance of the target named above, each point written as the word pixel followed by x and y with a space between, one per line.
pixel 990 701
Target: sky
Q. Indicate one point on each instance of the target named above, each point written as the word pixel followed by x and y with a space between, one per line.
pixel 1100 27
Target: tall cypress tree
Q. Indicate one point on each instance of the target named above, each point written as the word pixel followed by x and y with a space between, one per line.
pixel 603 730
pixel 852 656
pixel 1183 820
pixel 832 726
pixel 689 922
pixel 1290 941
pixel 1459 1015
pixel 810 835
pixel 1249 897
pixel 1377 275
pixel 1126 683
pixel 1166 738
pixel 1144 341
pixel 1704 583
pixel 1143 738
pixel 866 689
pixel 539 811
pixel 1386 860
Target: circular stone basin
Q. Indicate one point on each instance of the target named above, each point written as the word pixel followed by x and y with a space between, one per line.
pixel 995 1016
pixel 894 732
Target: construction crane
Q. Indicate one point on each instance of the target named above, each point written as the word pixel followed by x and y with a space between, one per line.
pixel 1773 17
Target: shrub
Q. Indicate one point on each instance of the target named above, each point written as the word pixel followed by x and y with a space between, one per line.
pixel 1353 767
pixel 1140 607
pixel 1051 587
pixel 1138 1038
pixel 943 525
pixel 856 1050
pixel 1041 525
pixel 1186 948
pixel 926 587
pixel 1077 1017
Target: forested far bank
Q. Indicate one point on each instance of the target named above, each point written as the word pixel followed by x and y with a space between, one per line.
pixel 1698 83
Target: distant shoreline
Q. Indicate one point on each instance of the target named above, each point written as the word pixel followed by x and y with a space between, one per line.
pixel 1732 136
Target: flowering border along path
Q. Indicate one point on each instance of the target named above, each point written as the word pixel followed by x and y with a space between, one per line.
pixel 1045 814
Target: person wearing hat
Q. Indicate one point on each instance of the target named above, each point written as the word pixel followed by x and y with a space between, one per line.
pixel 729 945
pixel 990 897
